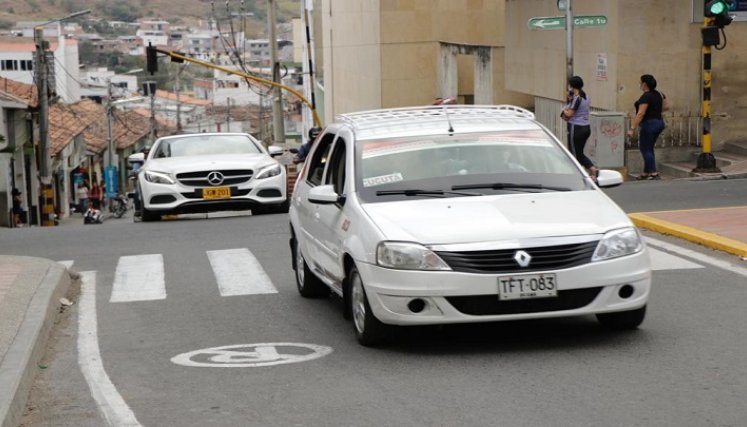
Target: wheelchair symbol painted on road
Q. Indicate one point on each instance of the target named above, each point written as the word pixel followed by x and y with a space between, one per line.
pixel 252 355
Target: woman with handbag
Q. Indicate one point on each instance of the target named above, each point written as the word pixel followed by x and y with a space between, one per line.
pixel 576 113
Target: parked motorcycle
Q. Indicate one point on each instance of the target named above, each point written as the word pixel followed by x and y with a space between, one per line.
pixel 120 205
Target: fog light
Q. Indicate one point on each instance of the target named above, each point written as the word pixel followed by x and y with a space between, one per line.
pixel 416 306
pixel 626 291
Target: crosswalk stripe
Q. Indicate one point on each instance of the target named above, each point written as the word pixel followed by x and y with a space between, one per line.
pixel 139 278
pixel 67 264
pixel 238 272
pixel 661 260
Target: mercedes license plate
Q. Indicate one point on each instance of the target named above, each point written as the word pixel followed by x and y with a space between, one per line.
pixel 216 193
pixel 527 286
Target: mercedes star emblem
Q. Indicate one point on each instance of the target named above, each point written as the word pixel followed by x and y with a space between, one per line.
pixel 215 178
pixel 522 258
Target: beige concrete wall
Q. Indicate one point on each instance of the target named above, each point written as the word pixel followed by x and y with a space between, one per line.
pixel 641 37
pixel 352 56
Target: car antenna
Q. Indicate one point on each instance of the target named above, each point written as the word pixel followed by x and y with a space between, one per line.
pixel 448 119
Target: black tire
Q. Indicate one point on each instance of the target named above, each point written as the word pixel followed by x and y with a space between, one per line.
pixel 623 320
pixel 368 329
pixel 149 216
pixel 309 286
pixel 283 207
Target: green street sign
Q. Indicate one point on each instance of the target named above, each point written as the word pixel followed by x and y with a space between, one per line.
pixel 558 22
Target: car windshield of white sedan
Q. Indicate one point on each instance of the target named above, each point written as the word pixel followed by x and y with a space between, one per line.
pixel 202 145
pixel 464 165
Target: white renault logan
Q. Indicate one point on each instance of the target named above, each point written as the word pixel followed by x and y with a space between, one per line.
pixel 456 214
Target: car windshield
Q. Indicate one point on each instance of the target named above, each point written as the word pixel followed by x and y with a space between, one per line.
pixel 515 161
pixel 201 145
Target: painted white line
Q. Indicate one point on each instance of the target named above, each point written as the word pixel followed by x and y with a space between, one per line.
pixel 665 261
pixel 68 264
pixel 697 256
pixel 111 404
pixel 238 272
pixel 139 278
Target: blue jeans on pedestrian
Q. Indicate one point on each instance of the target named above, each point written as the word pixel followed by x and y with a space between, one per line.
pixel 650 131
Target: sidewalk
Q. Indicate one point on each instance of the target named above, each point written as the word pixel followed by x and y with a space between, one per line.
pixel 30 293
pixel 723 229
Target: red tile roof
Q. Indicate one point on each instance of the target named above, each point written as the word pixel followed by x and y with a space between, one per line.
pixel 23 91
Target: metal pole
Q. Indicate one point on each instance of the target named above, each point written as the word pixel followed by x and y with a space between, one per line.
pixel 152 137
pixel 228 114
pixel 568 43
pixel 706 160
pixel 177 88
pixel 109 113
pixel 277 104
pixel 45 178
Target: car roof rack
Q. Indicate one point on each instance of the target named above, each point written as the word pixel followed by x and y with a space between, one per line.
pixel 463 114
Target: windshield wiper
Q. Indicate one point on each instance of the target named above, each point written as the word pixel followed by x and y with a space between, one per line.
pixel 416 192
pixel 509 186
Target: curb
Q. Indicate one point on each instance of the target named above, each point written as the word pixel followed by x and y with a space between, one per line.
pixel 713 241
pixel 19 366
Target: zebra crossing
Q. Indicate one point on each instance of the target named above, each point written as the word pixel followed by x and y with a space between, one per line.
pixel 238 272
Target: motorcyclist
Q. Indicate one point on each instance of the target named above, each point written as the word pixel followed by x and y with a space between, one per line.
pixel 303 151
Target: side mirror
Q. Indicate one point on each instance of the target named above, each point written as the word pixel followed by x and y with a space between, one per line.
pixel 609 178
pixel 325 195
pixel 275 151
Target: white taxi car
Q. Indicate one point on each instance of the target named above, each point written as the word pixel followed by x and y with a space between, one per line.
pixel 456 214
pixel 206 172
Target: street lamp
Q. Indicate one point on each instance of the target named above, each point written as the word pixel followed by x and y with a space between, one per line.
pixel 47 205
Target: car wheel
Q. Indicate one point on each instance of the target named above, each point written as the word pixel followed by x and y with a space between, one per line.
pixel 622 320
pixel 148 216
pixel 283 207
pixel 309 286
pixel 368 329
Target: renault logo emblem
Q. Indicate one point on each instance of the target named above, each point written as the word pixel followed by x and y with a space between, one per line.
pixel 522 258
pixel 215 178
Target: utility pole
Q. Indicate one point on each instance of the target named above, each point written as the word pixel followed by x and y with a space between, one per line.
pixel 568 43
pixel 111 170
pixel 149 89
pixel 177 88
pixel 42 87
pixel 228 114
pixel 261 119
pixel 277 104
pixel 47 194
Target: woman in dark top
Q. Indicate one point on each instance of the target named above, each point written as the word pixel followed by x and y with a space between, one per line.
pixel 648 110
pixel 576 113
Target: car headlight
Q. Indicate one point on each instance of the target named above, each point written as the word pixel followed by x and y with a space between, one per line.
pixel 408 256
pixel 269 171
pixel 618 243
pixel 159 177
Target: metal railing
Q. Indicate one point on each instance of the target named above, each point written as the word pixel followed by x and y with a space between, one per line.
pixel 683 130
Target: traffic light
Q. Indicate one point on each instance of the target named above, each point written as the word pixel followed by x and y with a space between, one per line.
pixel 719 9
pixel 151 59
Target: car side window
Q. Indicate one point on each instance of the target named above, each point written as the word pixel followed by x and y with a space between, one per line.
pixel 336 169
pixel 319 160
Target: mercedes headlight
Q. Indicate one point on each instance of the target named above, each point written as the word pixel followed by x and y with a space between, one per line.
pixel 270 171
pixel 159 177
pixel 618 243
pixel 408 256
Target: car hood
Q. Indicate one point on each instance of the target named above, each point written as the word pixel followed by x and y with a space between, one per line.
pixel 497 217
pixel 209 163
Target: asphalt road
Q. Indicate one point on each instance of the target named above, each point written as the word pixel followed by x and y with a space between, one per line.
pixel 684 367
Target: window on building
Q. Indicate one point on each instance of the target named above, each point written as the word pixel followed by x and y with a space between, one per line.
pixel 27 65
pixel 9 65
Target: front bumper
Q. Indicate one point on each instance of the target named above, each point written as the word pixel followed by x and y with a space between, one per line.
pixel 179 198
pixel 453 297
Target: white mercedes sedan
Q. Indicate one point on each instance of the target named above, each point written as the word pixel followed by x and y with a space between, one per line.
pixel 461 214
pixel 206 172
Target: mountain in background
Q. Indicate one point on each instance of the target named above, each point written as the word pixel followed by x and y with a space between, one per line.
pixel 177 12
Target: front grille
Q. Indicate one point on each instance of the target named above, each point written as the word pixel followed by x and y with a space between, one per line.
pixel 230 177
pixel 486 305
pixel 502 261
pixel 235 192
pixel 162 199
